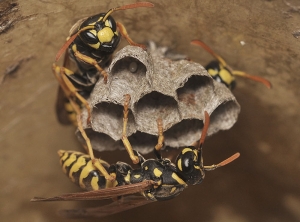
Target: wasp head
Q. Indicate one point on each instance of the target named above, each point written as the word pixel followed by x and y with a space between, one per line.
pixel 190 165
pixel 102 35
pixel 221 74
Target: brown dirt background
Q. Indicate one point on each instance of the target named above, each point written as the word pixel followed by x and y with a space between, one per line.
pixel 262 185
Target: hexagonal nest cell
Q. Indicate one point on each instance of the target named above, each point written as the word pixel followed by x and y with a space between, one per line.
pixel 161 86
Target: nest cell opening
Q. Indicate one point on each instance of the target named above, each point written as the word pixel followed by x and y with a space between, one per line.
pixel 223 117
pixel 194 96
pixel 108 118
pixel 129 66
pixel 152 106
pixel 184 133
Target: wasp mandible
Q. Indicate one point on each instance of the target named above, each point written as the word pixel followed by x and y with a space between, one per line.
pixel 223 73
pixel 156 179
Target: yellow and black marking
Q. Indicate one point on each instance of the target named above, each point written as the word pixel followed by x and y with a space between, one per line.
pixel 80 169
pixel 223 73
pixel 89 49
pixel 156 179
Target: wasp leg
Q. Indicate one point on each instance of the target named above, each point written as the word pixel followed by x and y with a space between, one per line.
pixel 124 33
pixel 125 140
pixel 96 162
pixel 69 89
pixel 160 140
pixel 91 61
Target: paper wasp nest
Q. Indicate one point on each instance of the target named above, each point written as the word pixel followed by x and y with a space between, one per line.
pixel 160 86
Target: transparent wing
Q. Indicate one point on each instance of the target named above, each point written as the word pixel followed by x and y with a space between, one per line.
pixel 123 204
pixel 102 194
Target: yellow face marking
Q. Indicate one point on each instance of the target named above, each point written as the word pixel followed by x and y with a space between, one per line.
pixel 93 23
pixel 157 172
pixel 93 31
pixel 177 178
pixel 173 190
pixel 179 164
pixel 145 168
pixel 107 23
pixel 95 46
pixel 105 35
pixel 99 19
pixel 79 163
pixel 226 76
pixel 212 72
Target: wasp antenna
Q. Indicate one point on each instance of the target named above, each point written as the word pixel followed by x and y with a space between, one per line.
pixel 209 50
pixel 223 163
pixel 204 130
pixel 254 78
pixel 69 41
pixel 130 6
pixel 229 160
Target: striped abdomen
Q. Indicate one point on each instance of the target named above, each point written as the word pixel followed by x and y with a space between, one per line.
pixel 80 169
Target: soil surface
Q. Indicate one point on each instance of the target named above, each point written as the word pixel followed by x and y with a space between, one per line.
pixel 259 37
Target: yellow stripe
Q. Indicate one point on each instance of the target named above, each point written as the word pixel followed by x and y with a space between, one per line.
pixel 72 158
pixel 79 163
pixel 85 172
pixel 94 183
pixel 175 177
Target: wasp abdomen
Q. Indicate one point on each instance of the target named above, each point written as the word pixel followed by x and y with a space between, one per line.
pixel 80 169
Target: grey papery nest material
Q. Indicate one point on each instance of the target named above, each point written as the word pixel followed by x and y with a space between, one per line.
pixel 160 86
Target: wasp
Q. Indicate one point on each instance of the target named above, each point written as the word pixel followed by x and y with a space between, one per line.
pixel 223 73
pixel 89 49
pixel 155 179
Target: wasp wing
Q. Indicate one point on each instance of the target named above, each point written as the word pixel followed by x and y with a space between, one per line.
pixel 61 113
pixel 102 194
pixel 123 204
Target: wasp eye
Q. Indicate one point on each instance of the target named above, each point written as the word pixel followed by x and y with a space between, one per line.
pixel 89 37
